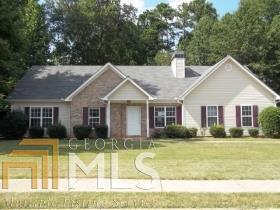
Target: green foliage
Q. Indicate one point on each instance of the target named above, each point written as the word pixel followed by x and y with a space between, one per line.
pixel 176 131
pixel 218 131
pixel 101 131
pixel 57 131
pixel 163 59
pixel 13 125
pixel 36 132
pixel 269 120
pixel 254 132
pixel 82 131
pixel 236 132
pixel 193 132
pixel 158 133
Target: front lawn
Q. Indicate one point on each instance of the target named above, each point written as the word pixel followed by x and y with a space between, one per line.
pixel 137 200
pixel 176 159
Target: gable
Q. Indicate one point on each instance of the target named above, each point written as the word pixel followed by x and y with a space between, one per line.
pixel 107 67
pixel 230 84
pixel 101 86
pixel 228 64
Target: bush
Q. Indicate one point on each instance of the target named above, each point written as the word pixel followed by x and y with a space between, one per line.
pixel 101 131
pixel 82 131
pixel 36 132
pixel 236 132
pixel 176 131
pixel 193 132
pixel 269 120
pixel 14 125
pixel 57 131
pixel 158 133
pixel 254 132
pixel 218 131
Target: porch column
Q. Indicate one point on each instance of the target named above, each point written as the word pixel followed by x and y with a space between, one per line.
pixel 148 120
pixel 108 117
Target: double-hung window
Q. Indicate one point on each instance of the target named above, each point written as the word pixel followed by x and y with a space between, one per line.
pixel 212 115
pixel 41 117
pixel 246 116
pixel 93 116
pixel 165 115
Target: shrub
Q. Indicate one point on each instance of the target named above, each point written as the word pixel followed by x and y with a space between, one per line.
pixel 36 132
pixel 57 131
pixel 176 131
pixel 82 131
pixel 193 132
pixel 218 131
pixel 101 131
pixel 14 125
pixel 269 120
pixel 253 132
pixel 158 133
pixel 236 132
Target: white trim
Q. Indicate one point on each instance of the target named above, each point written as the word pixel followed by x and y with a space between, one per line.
pixel 121 84
pixel 108 117
pixel 99 112
pixel 252 115
pixel 215 67
pixel 41 114
pixel 93 77
pixel 164 107
pixel 217 106
pixel 148 119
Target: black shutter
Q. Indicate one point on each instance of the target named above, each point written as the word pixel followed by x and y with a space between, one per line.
pixel 85 116
pixel 55 115
pixel 203 116
pixel 27 113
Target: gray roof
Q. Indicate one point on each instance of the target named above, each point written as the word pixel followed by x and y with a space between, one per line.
pixel 58 82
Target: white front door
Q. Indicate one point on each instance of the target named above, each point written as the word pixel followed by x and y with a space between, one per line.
pixel 133 121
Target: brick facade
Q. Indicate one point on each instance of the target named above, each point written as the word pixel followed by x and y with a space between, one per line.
pixel 90 96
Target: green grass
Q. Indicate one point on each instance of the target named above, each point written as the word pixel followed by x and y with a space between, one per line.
pixel 139 200
pixel 175 159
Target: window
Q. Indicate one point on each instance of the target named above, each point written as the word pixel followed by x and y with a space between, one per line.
pixel 47 118
pixel 165 116
pixel 246 115
pixel 41 117
pixel 94 116
pixel 212 115
pixel 35 117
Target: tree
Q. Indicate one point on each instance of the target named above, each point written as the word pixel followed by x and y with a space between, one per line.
pixel 163 58
pixel 94 32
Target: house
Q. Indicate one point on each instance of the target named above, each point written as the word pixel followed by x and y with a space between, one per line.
pixel 135 100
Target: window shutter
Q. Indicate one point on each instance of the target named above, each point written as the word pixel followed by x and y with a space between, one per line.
pixel 55 115
pixel 179 115
pixel 151 117
pixel 27 113
pixel 255 116
pixel 238 116
pixel 102 115
pixel 221 115
pixel 203 116
pixel 85 116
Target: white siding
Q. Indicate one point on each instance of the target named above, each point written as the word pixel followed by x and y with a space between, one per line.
pixel 128 92
pixel 228 89
pixel 178 67
pixel 64 110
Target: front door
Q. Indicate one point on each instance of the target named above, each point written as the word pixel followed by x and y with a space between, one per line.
pixel 133 122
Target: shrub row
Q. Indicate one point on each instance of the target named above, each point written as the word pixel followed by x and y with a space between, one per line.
pixel 218 131
pixel 175 131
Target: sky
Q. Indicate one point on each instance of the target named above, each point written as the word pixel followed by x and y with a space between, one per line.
pixel 222 6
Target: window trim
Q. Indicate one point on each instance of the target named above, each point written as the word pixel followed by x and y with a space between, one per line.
pixel 241 114
pixel 99 115
pixel 217 106
pixel 164 107
pixel 41 114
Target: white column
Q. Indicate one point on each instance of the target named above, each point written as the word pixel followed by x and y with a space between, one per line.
pixel 183 115
pixel 108 117
pixel 148 120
